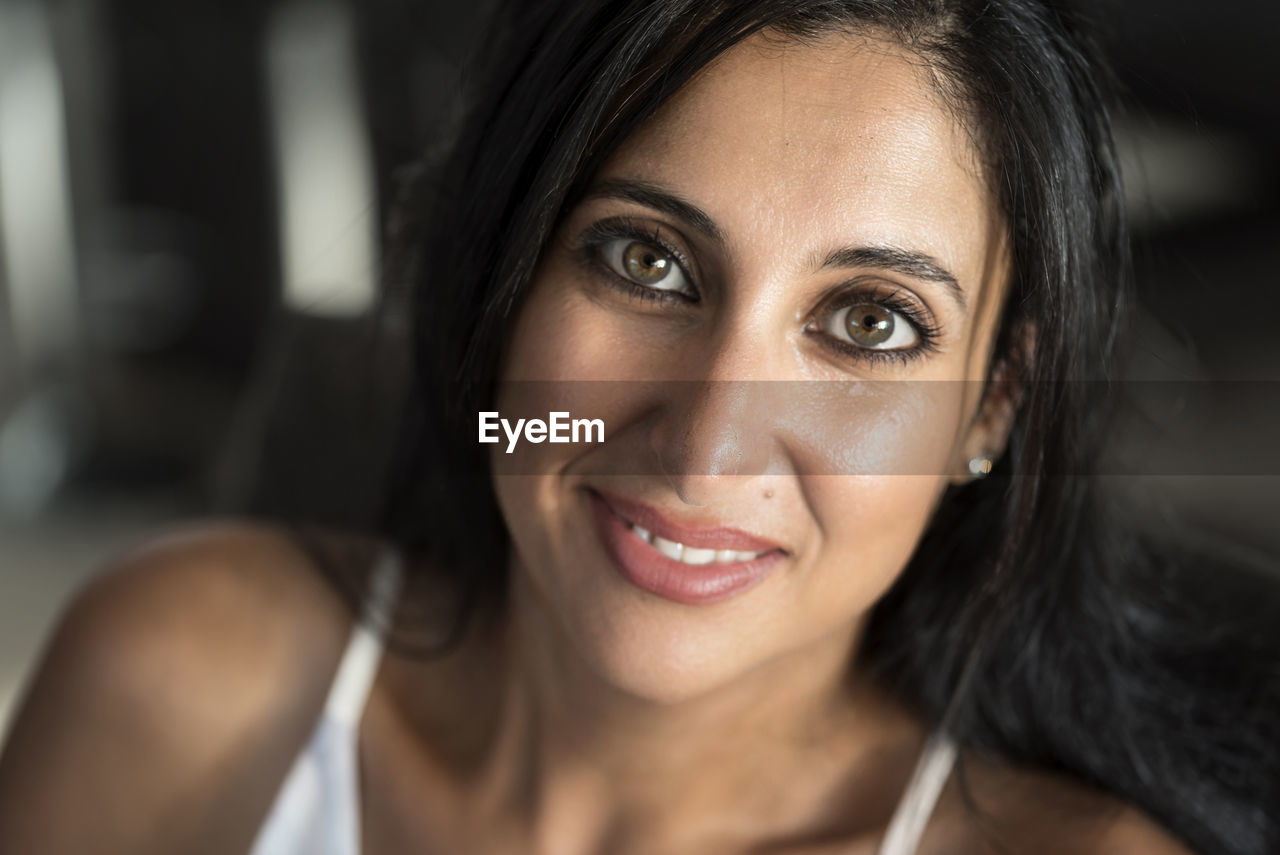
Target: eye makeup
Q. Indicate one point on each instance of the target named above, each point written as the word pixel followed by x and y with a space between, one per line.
pixel 592 249
pixel 591 244
pixel 890 298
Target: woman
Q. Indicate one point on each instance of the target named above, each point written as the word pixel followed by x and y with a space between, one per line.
pixel 817 268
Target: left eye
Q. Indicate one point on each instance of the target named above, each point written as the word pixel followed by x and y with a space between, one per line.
pixel 871 326
pixel 645 264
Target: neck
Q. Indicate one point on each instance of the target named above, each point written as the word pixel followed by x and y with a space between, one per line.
pixel 795 747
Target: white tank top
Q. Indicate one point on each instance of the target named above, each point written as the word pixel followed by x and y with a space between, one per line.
pixel 317 811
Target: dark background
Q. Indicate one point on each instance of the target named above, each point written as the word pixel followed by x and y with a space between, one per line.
pixel 162 355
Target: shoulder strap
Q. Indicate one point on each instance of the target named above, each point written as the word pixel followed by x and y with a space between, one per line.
pixel 350 689
pixel 917 804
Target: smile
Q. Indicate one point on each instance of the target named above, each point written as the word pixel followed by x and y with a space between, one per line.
pixel 689 554
pixel 693 565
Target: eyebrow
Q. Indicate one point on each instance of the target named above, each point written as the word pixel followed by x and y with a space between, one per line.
pixel 918 265
pixel 659 199
pixel 908 262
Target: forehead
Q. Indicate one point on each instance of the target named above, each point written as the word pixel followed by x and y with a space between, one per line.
pixel 837 141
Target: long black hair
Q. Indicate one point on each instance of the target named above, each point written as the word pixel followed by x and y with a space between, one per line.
pixel 1025 624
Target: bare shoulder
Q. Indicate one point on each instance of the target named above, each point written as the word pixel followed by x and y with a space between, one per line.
pixel 1002 809
pixel 1135 832
pixel 172 696
pixel 204 609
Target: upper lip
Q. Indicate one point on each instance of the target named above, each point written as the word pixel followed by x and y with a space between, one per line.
pixel 715 536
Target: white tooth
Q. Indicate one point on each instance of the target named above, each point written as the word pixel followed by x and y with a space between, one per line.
pixel 698 556
pixel 724 556
pixel 668 548
pixel 642 533
pixel 744 556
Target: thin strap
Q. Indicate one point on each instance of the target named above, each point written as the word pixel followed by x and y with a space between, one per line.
pixel 913 812
pixel 350 689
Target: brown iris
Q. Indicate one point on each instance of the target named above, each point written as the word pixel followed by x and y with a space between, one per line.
pixel 645 264
pixel 868 324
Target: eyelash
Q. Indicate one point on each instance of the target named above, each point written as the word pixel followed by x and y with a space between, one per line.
pixel 598 235
pixel 926 330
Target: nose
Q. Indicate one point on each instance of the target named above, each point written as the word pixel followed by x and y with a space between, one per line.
pixel 716 424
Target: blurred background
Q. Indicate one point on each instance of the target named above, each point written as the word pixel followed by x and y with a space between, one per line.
pixel 193 198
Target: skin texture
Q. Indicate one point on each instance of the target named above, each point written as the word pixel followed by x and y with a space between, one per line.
pixel 794 153
pixel 593 716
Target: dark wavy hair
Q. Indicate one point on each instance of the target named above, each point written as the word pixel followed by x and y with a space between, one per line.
pixel 1025 624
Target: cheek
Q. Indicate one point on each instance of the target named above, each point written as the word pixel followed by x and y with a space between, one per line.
pixel 563 355
pixel 870 427
pixel 563 333
pixel 569 352
pixel 569 357
pixel 885 473
pixel 869 540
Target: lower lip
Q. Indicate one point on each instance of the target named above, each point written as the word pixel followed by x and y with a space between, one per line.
pixel 692 584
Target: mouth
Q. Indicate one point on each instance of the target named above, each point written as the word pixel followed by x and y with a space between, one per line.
pixel 682 563
pixel 655 527
pixel 692 555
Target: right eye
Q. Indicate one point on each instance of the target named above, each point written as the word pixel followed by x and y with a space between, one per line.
pixel 646 264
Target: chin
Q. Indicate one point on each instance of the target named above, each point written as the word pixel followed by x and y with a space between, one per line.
pixel 654 655
pixel 633 643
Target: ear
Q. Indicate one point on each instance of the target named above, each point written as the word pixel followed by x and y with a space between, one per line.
pixel 988 433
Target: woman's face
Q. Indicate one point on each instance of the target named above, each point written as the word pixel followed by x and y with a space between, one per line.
pixel 779 296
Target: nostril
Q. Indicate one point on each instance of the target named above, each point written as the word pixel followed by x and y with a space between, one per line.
pixel 679 491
